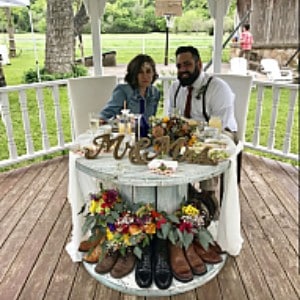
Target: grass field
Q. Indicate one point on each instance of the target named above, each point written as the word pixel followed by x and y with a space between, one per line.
pixel 126 45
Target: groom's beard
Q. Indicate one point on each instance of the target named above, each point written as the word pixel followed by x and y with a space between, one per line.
pixel 189 77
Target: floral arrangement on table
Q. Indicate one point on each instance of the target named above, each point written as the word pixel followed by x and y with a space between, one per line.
pixel 193 150
pixel 184 225
pixel 175 127
pixel 126 225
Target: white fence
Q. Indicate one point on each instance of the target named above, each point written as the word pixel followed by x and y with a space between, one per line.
pixel 51 131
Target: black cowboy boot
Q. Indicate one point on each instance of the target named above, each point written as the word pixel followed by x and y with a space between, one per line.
pixel 162 270
pixel 143 270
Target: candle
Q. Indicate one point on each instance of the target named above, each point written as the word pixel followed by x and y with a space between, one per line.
pixel 124 104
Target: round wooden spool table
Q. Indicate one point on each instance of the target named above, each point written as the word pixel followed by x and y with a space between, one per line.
pixel 137 183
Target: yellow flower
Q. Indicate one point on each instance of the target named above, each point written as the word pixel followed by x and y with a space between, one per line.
pixel 190 210
pixel 109 234
pixel 165 119
pixel 126 239
pixel 94 207
pixel 150 228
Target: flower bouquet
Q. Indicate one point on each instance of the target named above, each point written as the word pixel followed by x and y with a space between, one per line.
pixel 191 149
pixel 175 127
pixel 184 225
pixel 133 227
pixel 126 226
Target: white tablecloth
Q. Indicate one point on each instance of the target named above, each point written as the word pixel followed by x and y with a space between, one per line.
pixel 227 231
pixel 229 226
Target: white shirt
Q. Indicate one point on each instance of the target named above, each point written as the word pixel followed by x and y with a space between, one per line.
pixel 219 100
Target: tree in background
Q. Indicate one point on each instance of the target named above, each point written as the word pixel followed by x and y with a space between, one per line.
pixel 130 16
pixel 10 31
pixel 60 42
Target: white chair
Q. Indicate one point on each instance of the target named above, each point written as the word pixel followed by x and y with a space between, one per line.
pixel 271 68
pixel 88 94
pixel 4 54
pixel 241 87
pixel 238 65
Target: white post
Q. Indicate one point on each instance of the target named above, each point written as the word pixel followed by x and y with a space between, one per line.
pixel 95 9
pixel 218 9
pixel 218 37
pixel 34 46
pixel 97 53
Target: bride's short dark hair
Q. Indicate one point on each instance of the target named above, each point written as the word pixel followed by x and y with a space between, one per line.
pixel 135 66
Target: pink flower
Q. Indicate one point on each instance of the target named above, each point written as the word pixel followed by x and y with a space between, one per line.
pixel 186 226
pixel 160 222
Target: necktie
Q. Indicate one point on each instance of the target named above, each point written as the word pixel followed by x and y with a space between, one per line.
pixel 144 127
pixel 142 105
pixel 187 109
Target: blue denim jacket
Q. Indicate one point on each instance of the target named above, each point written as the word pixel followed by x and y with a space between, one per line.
pixel 124 92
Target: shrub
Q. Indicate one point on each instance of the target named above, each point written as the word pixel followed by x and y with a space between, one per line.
pixel 31 75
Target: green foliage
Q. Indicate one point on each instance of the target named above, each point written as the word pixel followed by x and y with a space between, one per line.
pixel 122 16
pixel 191 22
pixel 129 16
pixel 31 75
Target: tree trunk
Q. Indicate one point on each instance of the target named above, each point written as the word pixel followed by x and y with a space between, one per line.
pixel 81 18
pixel 60 42
pixel 10 31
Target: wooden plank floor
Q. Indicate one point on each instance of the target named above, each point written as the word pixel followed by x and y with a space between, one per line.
pixel 35 225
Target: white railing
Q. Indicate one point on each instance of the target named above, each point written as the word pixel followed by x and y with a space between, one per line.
pixel 49 97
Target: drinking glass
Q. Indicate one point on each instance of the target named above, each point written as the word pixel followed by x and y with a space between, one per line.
pixel 122 126
pixel 215 122
pixel 94 122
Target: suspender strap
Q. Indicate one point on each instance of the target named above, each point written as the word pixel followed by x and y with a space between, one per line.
pixel 175 96
pixel 204 99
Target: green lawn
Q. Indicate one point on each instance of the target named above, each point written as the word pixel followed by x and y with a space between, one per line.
pixel 281 123
pixel 126 45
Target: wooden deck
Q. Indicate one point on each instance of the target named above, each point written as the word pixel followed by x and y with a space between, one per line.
pixel 35 225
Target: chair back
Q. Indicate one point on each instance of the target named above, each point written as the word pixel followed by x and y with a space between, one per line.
pixel 88 94
pixel 271 67
pixel 241 87
pixel 238 65
pixel 5 55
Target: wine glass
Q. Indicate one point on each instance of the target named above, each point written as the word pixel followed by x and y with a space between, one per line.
pixel 94 122
pixel 215 122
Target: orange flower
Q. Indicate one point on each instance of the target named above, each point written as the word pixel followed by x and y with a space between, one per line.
pixel 134 229
pixel 192 140
pixel 165 119
pixel 150 228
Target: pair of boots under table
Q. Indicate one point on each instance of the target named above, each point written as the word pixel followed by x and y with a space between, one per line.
pixel 186 263
pixel 116 264
pixel 154 265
